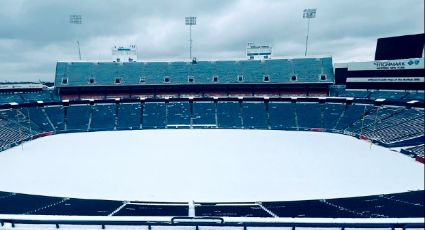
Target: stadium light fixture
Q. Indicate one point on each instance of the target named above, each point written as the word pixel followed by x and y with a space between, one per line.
pixel 190 21
pixel 308 14
pixel 76 19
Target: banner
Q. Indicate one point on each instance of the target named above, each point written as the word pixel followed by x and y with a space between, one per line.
pixel 385 79
pixel 413 63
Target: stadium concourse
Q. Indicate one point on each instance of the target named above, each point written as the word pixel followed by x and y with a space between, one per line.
pixel 274 96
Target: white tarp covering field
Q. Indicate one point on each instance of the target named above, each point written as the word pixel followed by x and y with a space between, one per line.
pixel 206 165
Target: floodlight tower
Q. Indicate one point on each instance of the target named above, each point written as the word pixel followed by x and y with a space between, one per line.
pixel 190 21
pixel 308 14
pixel 76 19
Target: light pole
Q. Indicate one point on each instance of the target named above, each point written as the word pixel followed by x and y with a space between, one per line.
pixel 190 21
pixel 309 14
pixel 76 19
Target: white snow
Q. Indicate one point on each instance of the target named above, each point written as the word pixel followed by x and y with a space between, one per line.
pixel 206 165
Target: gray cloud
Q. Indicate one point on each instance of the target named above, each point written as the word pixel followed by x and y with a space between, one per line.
pixel 34 34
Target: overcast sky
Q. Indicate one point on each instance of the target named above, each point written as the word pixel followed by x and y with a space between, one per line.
pixel 34 34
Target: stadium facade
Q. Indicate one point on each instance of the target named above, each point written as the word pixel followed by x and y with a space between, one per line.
pixel 381 101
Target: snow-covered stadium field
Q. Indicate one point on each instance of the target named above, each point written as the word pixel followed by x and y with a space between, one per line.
pixel 206 165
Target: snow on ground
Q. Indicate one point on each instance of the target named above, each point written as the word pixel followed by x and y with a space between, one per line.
pixel 206 165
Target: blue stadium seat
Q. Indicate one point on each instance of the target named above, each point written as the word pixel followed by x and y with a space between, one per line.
pixel 278 70
pixel 308 208
pixel 415 96
pixel 351 114
pixel 415 198
pixel 45 96
pixel 254 115
pixel 81 207
pixel 403 125
pixel 204 114
pixel 394 95
pixel 82 72
pixel 379 207
pixel 416 150
pixel 131 73
pixel 309 115
pixel 8 98
pixel 156 72
pixel 228 114
pixel 25 204
pixel 372 117
pixel 103 117
pixel 355 93
pixel 201 72
pixel 137 209
pixel 154 115
pixel 12 131
pixel 307 70
pixel 39 117
pixel 227 71
pixel 327 69
pixel 282 115
pixel 129 116
pixel 179 72
pixel 331 115
pixel 229 210
pixel 78 118
pixel 178 114
pixel 56 115
pixel 251 71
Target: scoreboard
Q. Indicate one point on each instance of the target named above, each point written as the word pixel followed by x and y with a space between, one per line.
pixel 402 74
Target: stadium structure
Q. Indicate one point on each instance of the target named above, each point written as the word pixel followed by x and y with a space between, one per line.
pixel 380 103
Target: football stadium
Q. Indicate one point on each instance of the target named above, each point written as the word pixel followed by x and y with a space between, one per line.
pixel 259 142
